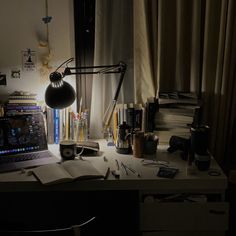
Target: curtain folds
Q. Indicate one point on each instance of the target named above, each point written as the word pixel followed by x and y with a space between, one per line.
pixel 145 51
pixel 192 48
pixel 167 43
pixel 219 82
pixel 113 43
pixel 172 45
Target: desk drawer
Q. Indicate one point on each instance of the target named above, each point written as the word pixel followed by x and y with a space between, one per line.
pixel 184 233
pixel 184 216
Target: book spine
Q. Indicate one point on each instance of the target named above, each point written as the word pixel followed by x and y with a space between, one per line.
pixel 61 124
pixel 22 101
pixel 21 98
pixel 115 125
pixel 15 107
pixel 137 119
pixel 56 126
pixel 130 117
pixel 67 123
pixel 23 104
pixel 50 125
pixel 151 110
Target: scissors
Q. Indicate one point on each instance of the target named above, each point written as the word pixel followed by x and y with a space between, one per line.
pixel 155 163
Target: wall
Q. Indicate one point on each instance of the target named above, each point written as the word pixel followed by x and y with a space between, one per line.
pixel 22 28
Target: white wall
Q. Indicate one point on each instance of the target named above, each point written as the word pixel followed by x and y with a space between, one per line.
pixel 21 28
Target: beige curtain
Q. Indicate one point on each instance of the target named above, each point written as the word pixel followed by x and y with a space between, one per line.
pixel 113 43
pixel 189 45
pixel 166 46
pixel 218 78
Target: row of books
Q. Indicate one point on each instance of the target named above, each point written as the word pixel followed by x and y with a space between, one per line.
pixel 65 124
pixel 177 113
pixel 137 116
pixel 21 102
pixel 132 114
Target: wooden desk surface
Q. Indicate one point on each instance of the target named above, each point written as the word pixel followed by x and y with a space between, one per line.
pixel 201 181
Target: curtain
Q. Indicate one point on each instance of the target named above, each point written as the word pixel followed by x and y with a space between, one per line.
pixel 189 46
pixel 219 79
pixel 167 42
pixel 170 45
pixel 113 43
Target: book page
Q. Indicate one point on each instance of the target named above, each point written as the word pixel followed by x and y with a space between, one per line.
pixel 81 169
pixel 51 174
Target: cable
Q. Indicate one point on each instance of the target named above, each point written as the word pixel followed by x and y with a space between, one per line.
pixel 73 227
pixel 65 62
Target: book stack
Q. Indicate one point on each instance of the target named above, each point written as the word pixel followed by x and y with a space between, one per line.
pixel 177 112
pixel 22 102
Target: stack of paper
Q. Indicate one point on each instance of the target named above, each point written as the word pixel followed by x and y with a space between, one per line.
pixel 177 113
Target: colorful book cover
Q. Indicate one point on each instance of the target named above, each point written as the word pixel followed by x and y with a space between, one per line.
pixel 56 126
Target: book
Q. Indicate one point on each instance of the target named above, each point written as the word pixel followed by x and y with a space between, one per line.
pixel 50 125
pixel 151 109
pixel 88 147
pixel 67 171
pixel 56 122
pixel 22 107
pixel 23 93
pixel 23 101
pixel 178 98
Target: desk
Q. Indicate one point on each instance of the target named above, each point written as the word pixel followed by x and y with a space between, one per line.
pixel 131 201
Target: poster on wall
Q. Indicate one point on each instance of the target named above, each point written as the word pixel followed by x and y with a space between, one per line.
pixel 29 60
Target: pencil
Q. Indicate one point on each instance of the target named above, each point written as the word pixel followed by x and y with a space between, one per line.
pixel 107 173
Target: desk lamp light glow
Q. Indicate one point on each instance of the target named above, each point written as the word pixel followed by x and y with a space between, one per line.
pixel 60 94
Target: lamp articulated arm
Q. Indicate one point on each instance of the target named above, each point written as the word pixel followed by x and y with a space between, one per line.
pixel 105 69
pixel 60 94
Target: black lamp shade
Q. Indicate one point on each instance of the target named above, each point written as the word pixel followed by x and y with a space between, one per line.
pixel 60 97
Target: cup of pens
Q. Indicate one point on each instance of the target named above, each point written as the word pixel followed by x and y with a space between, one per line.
pixel 81 127
pixel 150 144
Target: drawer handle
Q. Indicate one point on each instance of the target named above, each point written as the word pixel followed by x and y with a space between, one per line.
pixel 217 212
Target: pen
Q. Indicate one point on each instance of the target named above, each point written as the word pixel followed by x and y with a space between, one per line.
pixel 132 170
pixel 116 173
pixel 107 173
pixel 117 164
pixel 123 165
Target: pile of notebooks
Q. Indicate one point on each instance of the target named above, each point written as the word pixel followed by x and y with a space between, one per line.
pixel 22 102
pixel 177 112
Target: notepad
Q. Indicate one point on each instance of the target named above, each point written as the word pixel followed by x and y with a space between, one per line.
pixel 67 171
pixel 167 172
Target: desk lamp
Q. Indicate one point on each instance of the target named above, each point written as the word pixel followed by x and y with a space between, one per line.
pixel 60 94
